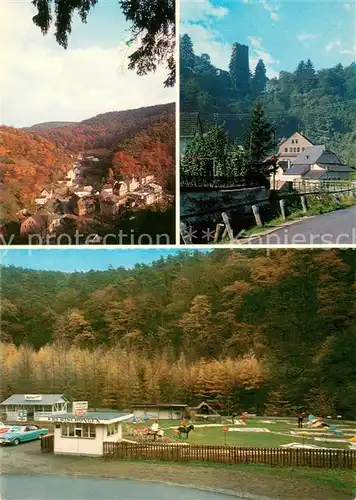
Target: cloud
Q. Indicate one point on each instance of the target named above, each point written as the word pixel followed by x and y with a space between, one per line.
pixel 333 45
pixel 257 52
pixel 272 8
pixel 44 82
pixel 255 41
pixel 351 52
pixel 200 11
pixel 336 44
pixel 303 37
pixel 206 41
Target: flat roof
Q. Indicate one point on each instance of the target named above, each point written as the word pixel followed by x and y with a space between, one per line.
pixel 91 417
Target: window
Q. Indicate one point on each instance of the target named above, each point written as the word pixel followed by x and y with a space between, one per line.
pixel 291 150
pixel 292 141
pixel 295 150
pixel 286 150
pixel 112 429
pixel 296 141
pixel 78 430
pixel 303 149
pixel 298 149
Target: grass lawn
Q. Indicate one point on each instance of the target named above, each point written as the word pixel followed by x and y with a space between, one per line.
pixel 279 435
pixel 336 478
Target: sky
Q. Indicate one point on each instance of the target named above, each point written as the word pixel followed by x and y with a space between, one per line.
pixel 70 260
pixel 282 33
pixel 42 81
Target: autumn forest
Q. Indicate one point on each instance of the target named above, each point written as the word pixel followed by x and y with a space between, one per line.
pixel 135 142
pixel 264 332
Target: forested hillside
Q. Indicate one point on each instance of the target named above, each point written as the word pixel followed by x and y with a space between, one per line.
pixel 46 125
pixel 150 152
pixel 321 104
pixel 107 129
pixel 252 328
pixel 28 163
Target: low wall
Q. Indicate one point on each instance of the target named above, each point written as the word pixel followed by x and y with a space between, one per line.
pixel 196 204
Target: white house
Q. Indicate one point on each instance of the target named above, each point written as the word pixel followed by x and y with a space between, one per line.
pixel 23 407
pixel 289 149
pixel 70 177
pixel 160 411
pixel 85 434
pixel 317 164
pixel 44 196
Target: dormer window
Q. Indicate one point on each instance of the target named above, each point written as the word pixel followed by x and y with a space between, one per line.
pixel 296 141
pixel 307 157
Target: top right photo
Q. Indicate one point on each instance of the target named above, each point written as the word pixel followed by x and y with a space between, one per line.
pixel 268 122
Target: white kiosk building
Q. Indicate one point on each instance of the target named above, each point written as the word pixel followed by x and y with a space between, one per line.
pixel 84 433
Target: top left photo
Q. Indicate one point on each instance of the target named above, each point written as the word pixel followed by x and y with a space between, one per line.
pixel 88 123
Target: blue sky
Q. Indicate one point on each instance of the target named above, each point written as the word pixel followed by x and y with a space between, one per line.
pixel 42 81
pixel 282 33
pixel 81 260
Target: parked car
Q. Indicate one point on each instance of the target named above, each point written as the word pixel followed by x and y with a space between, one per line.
pixel 4 428
pixel 21 433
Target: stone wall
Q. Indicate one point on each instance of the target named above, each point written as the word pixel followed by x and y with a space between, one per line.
pixel 198 204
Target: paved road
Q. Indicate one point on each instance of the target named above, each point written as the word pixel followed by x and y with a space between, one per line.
pixel 66 488
pixel 336 228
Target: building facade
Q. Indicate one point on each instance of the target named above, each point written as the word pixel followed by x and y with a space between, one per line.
pixel 85 434
pixel 159 411
pixel 289 149
pixel 23 407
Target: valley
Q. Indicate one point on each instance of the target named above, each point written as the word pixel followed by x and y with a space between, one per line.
pixel 109 175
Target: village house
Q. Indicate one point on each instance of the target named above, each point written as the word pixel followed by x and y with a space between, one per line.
pixel 85 433
pixel 161 411
pixel 147 180
pixel 289 149
pixel 43 197
pixel 37 224
pixel 145 195
pixel 70 177
pixel 190 127
pixel 23 407
pixel 317 164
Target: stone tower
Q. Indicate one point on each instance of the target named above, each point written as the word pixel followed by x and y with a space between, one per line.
pixel 240 69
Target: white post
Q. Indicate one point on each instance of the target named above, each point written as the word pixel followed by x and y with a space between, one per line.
pixel 256 213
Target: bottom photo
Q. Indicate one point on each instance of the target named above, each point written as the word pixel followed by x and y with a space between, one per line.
pixel 160 373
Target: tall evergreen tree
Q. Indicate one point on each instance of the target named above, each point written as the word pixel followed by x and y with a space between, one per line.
pixel 258 144
pixel 259 79
pixel 186 55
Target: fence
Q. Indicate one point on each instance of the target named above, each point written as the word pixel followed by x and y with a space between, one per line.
pixel 47 443
pixel 331 459
pixel 314 187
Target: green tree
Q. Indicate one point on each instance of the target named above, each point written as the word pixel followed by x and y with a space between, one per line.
pixel 186 56
pixel 259 143
pixel 259 79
